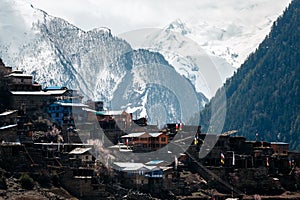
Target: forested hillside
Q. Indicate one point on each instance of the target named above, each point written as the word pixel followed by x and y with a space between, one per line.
pixel 263 96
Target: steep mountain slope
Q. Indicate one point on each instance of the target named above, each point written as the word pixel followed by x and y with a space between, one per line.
pixel 55 51
pixel 263 96
pixel 188 43
pixel 206 72
pixel 95 62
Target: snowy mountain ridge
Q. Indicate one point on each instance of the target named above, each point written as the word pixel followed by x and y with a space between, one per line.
pixel 98 64
pixel 226 44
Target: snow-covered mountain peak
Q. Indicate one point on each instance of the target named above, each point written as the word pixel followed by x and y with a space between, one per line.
pixel 178 26
pixel 226 40
pixel 187 56
pixel 101 66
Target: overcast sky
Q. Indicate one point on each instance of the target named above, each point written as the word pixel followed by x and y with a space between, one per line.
pixel 127 15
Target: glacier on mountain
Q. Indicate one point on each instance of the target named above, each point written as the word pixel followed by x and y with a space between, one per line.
pixel 226 42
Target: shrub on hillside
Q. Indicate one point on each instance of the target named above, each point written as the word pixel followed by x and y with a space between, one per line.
pixel 26 182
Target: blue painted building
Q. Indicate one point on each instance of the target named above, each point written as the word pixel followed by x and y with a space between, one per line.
pixel 67 112
pixel 67 109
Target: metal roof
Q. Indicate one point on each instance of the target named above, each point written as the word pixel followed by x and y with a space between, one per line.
pixel 71 104
pixel 80 150
pixel 135 135
pixel 282 143
pixel 82 177
pixel 10 144
pixel 8 112
pixel 8 126
pixel 89 110
pixel 128 166
pixel 55 144
pixel 141 134
pixel 55 92
pixel 54 88
pixel 39 93
pixel 118 146
pixel 155 134
pixel 143 168
pixel 125 150
pixel 110 112
pixel 154 162
pixel 19 75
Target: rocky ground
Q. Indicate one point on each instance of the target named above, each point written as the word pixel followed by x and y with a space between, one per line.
pixel 14 190
pixel 285 195
pixel 25 186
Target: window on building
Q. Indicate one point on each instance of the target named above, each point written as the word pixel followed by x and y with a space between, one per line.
pixel 163 139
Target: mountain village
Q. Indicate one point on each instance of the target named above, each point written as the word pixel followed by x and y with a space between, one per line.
pixel 50 135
